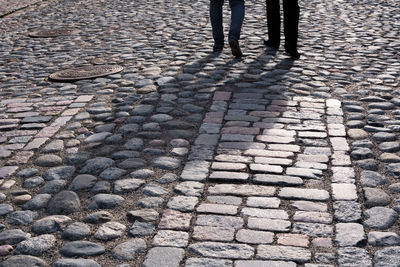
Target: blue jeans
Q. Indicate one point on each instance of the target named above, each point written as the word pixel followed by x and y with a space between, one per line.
pixel 237 16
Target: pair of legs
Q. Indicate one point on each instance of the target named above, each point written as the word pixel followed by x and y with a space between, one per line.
pixel 237 16
pixel 291 12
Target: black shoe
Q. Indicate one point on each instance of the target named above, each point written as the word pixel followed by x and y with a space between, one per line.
pixel 235 48
pixel 217 49
pixel 293 54
pixel 268 43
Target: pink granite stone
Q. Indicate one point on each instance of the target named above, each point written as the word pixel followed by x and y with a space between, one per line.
pixel 222 96
pixel 7 171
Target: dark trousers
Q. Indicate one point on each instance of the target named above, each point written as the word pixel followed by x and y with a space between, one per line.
pixel 291 12
pixel 237 16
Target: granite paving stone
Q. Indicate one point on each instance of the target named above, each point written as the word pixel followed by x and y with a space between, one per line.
pixel 75 262
pixel 222 250
pixel 164 256
pixel 388 256
pixel 383 239
pixel 286 253
pixel 36 246
pixel 23 260
pixel 129 250
pixel 81 248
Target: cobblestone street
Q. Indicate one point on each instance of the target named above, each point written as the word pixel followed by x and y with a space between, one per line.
pixel 193 158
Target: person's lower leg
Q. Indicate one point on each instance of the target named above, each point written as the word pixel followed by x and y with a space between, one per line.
pixel 237 16
pixel 291 12
pixel 273 22
pixel 216 23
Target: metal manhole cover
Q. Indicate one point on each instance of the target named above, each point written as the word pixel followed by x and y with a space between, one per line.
pixel 53 32
pixel 86 72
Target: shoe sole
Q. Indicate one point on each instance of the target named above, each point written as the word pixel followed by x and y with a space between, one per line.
pixel 235 48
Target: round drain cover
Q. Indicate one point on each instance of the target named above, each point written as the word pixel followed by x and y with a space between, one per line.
pixel 53 32
pixel 86 72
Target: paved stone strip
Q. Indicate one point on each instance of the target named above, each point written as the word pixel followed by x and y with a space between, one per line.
pixel 247 215
pixel 30 124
